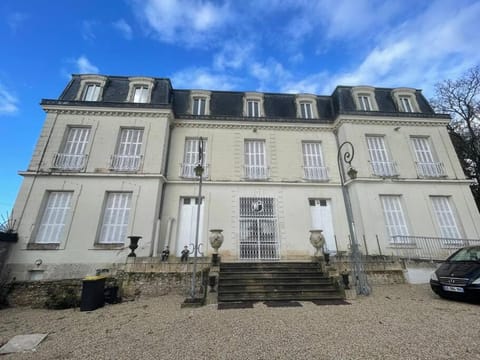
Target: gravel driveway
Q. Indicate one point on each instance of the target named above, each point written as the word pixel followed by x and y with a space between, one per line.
pixel 395 322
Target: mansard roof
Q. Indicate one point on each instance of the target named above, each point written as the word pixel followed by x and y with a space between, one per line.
pixel 230 104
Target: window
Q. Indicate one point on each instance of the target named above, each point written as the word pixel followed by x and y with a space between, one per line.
pixel 92 92
pixel 190 158
pixel 72 156
pixel 405 99
pixel 445 218
pixel 115 218
pixel 406 105
pixel 140 89
pixel 306 106
pixel 255 160
pixel 200 102
pixel 426 164
pixel 306 110
pixel 54 216
pixel 253 108
pixel 199 106
pixel 140 94
pixel 364 98
pixel 253 104
pixel 128 155
pixel 91 87
pixel 313 166
pixel 394 218
pixel 379 159
pixel 364 102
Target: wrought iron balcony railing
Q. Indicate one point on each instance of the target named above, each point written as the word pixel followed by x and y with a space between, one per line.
pixel 431 170
pixel 315 173
pixel 69 162
pixel 187 171
pixel 125 162
pixel 253 172
pixel 384 168
pixel 427 247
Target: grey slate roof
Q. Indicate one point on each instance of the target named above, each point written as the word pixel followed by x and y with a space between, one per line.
pixel 229 104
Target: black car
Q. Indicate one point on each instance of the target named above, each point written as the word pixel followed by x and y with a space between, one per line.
pixel 459 276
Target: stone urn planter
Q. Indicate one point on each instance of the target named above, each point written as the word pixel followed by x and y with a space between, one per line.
pixel 317 240
pixel 216 239
pixel 133 245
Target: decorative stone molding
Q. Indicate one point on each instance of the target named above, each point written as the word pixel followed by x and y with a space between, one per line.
pixel 251 126
pixel 154 113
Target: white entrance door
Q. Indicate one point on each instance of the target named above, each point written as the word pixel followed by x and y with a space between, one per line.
pixel 321 214
pixel 187 224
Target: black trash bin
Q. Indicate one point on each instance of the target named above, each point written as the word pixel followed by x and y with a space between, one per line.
pixel 92 293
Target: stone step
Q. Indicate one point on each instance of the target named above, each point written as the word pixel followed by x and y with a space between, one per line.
pixel 277 280
pixel 272 274
pixel 278 296
pixel 275 287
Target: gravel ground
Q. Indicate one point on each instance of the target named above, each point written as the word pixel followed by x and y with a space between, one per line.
pixel 395 322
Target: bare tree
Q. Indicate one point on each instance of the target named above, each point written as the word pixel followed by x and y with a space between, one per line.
pixel 461 99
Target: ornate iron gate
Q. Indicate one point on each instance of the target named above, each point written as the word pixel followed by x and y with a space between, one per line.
pixel 258 229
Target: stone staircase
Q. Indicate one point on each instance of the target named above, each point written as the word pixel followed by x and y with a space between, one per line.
pixel 275 281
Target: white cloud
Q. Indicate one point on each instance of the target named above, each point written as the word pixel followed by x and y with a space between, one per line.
pixel 233 55
pixel 8 101
pixel 84 66
pixel 124 28
pixel 190 22
pixel 201 78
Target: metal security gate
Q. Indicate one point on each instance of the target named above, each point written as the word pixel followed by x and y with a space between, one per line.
pixel 258 229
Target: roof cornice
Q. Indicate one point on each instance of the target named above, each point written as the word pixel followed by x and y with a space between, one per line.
pixel 71 109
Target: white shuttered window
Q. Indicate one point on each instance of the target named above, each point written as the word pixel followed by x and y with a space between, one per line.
pixel 190 158
pixel 426 164
pixel 394 216
pixel 73 155
pixel 314 168
pixel 54 215
pixel 255 159
pixel 445 217
pixel 92 92
pixel 128 155
pixel 381 163
pixel 115 218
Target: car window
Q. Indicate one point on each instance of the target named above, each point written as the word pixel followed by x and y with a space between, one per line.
pixel 467 254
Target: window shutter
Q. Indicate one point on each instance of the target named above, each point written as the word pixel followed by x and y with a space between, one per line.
pixel 394 215
pixel 115 218
pixel 445 218
pixel 53 218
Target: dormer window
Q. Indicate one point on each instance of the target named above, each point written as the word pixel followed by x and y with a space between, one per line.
pixel 140 94
pixel 140 90
pixel 253 104
pixel 91 88
pixel 405 100
pixel 199 105
pixel 364 97
pixel 200 102
pixel 406 105
pixel 306 106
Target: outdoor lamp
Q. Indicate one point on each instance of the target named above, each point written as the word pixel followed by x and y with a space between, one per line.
pixel 198 170
pixel 352 173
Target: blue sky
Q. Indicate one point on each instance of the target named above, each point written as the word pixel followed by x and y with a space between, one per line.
pixel 249 45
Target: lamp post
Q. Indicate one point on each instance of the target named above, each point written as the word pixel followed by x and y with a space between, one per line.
pixel 198 172
pixel 360 276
